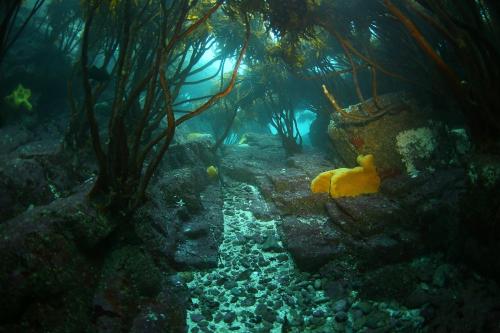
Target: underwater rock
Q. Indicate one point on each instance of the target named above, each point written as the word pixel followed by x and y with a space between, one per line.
pixel 370 230
pixel 194 231
pixel 290 193
pixel 341 317
pixel 229 317
pixel 443 274
pixel 271 244
pixel 365 215
pixel 252 161
pixel 182 219
pixel 191 255
pixel 48 256
pixel 165 313
pixel 262 211
pixel 206 138
pixel 388 282
pixel 129 276
pixel 192 153
pixel 286 189
pixel 266 313
pixel 35 174
pixel 468 304
pixel 22 184
pixel 289 190
pixel 202 251
pixel 481 215
pixel 312 242
pixel 181 187
pixel 436 200
pixel 378 136
pixel 12 137
pixel 45 260
pixel 380 232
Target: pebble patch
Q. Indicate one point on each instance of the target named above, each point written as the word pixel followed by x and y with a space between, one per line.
pixel 256 285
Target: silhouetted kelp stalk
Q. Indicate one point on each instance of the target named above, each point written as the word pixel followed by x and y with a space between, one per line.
pixel 472 30
pixel 10 29
pixel 134 150
pixel 367 62
pixel 405 40
pixel 284 122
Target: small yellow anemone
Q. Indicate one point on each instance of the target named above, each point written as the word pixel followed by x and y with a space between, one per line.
pixel 212 171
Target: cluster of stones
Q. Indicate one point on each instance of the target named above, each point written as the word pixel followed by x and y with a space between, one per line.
pixel 257 288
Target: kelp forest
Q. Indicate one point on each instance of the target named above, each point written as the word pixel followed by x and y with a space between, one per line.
pixel 249 166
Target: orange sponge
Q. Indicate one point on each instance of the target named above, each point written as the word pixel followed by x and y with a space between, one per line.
pixel 321 184
pixel 345 182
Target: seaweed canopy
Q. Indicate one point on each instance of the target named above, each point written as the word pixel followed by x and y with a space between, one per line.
pixel 12 23
pixel 445 48
pixel 150 48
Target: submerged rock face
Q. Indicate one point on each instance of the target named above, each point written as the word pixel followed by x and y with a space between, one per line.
pixel 369 230
pixel 406 219
pixel 284 181
pixel 135 294
pixel 201 234
pixel 64 266
pixel 406 139
pixel 377 137
pixel 251 162
pixel 45 269
pixel 22 183
pixel 12 137
pixel 186 207
pixel 34 174
pixel 482 215
pixel 312 242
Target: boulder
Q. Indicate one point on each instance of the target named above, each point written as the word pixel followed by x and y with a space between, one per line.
pixel 366 230
pixel 481 215
pixel 182 220
pixel 252 161
pixel 129 277
pixel 38 175
pixel 22 184
pixel 406 138
pixel 313 241
pixel 167 313
pixel 12 137
pixel 191 153
pixel 63 266
pixel 283 181
pixel 200 236
pixel 46 273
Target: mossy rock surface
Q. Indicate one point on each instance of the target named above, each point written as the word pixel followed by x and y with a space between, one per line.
pixel 129 280
pixel 47 276
pixel 378 136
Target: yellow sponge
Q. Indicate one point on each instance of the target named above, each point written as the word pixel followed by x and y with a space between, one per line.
pixel 321 184
pixel 345 182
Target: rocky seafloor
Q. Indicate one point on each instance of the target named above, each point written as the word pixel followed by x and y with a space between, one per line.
pixel 257 287
pixel 251 251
